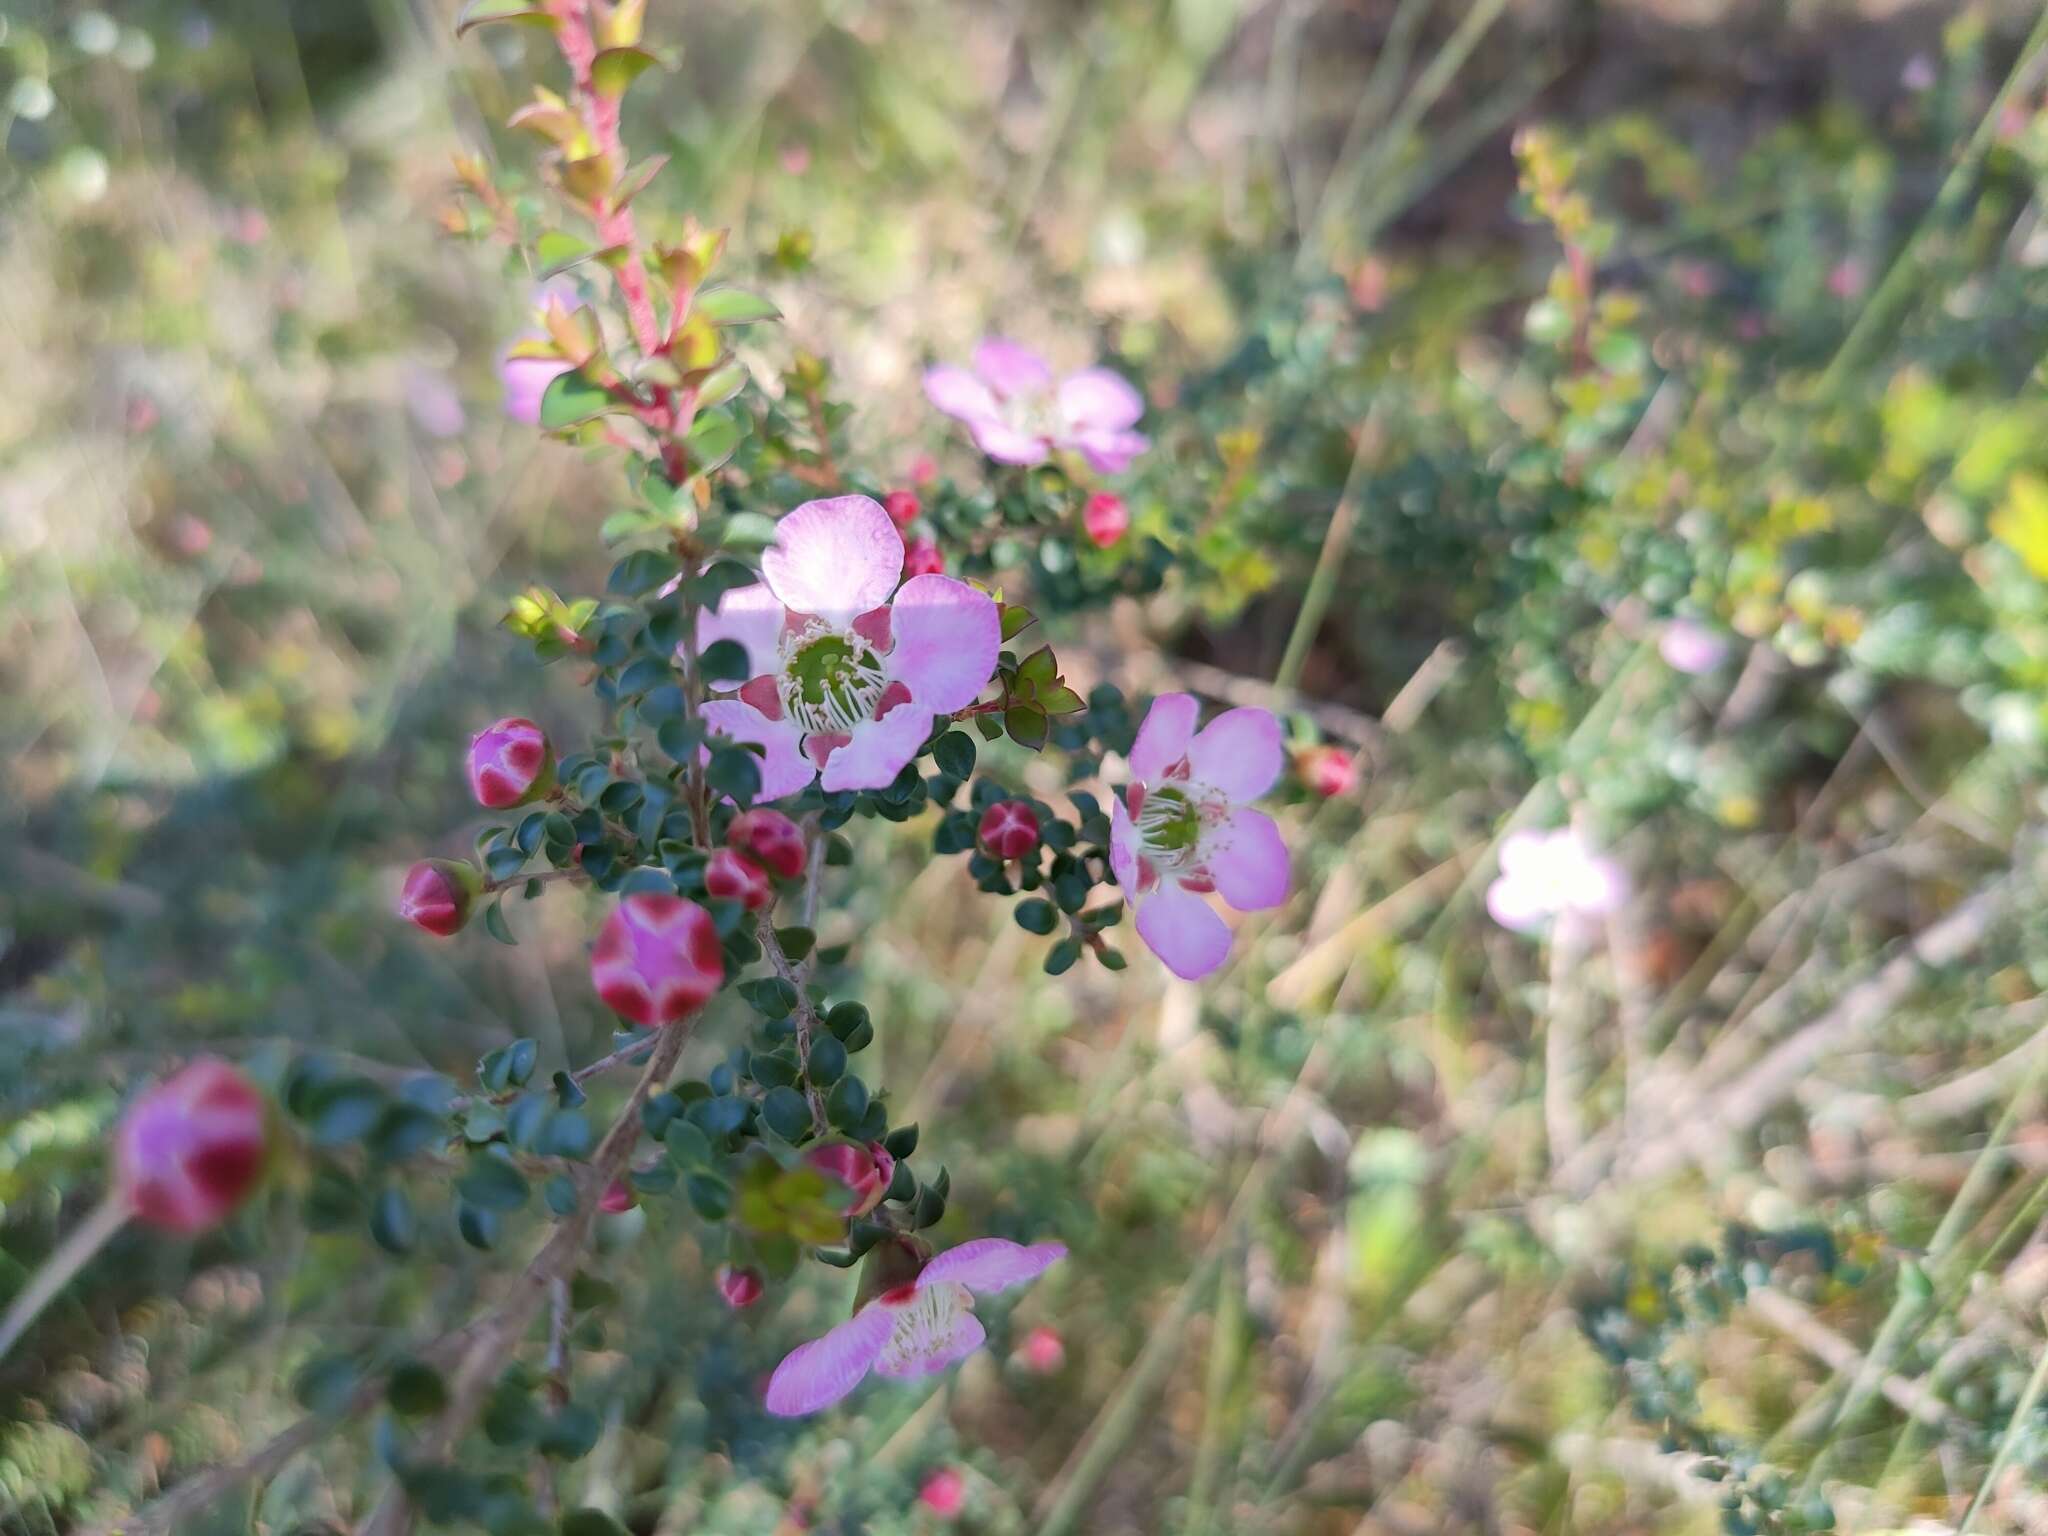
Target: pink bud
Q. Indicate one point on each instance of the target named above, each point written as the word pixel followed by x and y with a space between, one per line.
pixel 191 1149
pixel 617 1197
pixel 924 469
pixel 728 877
pixel 739 1287
pixel 902 507
pixel 772 839
pixel 864 1170
pixel 438 895
pixel 1329 771
pixel 1106 518
pixel 1009 829
pixel 922 558
pixel 526 381
pixel 1042 1353
pixel 510 763
pixel 944 1493
pixel 656 959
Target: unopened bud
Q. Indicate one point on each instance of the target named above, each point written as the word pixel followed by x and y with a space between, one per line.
pixel 657 959
pixel 192 1148
pixel 922 558
pixel 771 839
pixel 728 877
pixel 1105 518
pixel 902 507
pixel 1009 829
pixel 739 1287
pixel 439 895
pixel 1329 771
pixel 866 1170
pixel 510 764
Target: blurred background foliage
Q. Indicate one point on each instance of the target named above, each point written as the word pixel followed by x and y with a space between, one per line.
pixel 1484 340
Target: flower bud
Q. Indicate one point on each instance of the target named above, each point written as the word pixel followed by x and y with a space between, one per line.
pixel 1329 771
pixel 1042 1353
pixel 771 839
pixel 728 877
pixel 526 381
pixel 617 1197
pixel 902 507
pixel 439 895
pixel 922 558
pixel 944 1493
pixel 656 959
pixel 510 764
pixel 866 1170
pixel 191 1149
pixel 739 1287
pixel 1106 518
pixel 1009 829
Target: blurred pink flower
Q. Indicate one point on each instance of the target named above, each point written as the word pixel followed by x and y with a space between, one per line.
pixel 1183 829
pixel 1019 415
pixel 657 959
pixel 1106 519
pixel 864 1170
pixel 510 764
pixel 729 876
pixel 1329 771
pixel 771 838
pixel 1043 1352
pixel 921 557
pixel 617 1197
pixel 190 1149
pixel 1692 647
pixel 739 1287
pixel 796 157
pixel 1544 875
pixel 848 670
pixel 912 1330
pixel 944 1493
pixel 435 406
pixel 1846 278
pixel 924 469
pixel 526 380
pixel 902 507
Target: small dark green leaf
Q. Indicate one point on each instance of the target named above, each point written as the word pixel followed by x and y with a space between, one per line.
pixel 828 1061
pixel 415 1388
pixel 1037 916
pixel 570 399
pixel 955 754
pixel 392 1222
pixel 492 1184
pixel 787 1113
pixel 847 1105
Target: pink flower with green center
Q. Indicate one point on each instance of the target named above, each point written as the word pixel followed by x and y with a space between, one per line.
pixel 848 671
pixel 1018 414
pixel 911 1330
pixel 1546 875
pixel 1183 829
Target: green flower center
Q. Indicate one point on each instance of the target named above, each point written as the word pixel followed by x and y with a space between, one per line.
pixel 1169 825
pixel 832 682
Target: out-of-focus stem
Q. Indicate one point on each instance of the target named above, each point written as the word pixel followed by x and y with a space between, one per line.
pixel 72 1255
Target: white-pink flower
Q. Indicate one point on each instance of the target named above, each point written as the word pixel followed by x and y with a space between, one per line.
pixel 1020 415
pixel 1546 875
pixel 1692 647
pixel 847 671
pixel 1183 829
pixel 912 1330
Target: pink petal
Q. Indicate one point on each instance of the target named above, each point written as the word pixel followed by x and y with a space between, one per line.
pixel 751 616
pixel 876 750
pixel 1522 852
pixel 1248 861
pixel 1163 738
pixel 1516 903
pixel 991 1264
pixel 1006 445
pixel 958 393
pixel 967 1336
pixel 1097 400
pixel 1123 848
pixel 1237 754
pixel 1596 885
pixel 1110 453
pixel 785 769
pixel 816 1375
pixel 1011 369
pixel 1183 931
pixel 947 638
pixel 836 558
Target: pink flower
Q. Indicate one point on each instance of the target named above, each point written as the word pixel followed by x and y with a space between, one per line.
pixel 1106 519
pixel 1544 875
pixel 1043 1352
pixel 438 895
pixel 770 838
pixel 924 469
pixel 921 557
pixel 436 408
pixel 1009 829
pixel 728 877
pixel 510 764
pixel 657 959
pixel 1182 829
pixel 944 1493
pixel 617 1197
pixel 847 679
pixel 190 1150
pixel 902 507
pixel 526 380
pixel 1018 415
pixel 739 1287
pixel 911 1330
pixel 864 1170
pixel 1692 647
pixel 1329 771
